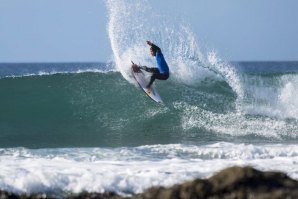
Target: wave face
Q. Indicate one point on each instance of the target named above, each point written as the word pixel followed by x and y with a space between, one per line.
pixel 101 108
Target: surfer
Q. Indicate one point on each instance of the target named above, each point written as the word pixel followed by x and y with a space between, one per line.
pixel 162 71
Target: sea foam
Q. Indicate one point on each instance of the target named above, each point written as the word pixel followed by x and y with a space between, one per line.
pixel 128 170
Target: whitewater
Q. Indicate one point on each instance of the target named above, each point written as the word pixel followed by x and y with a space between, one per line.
pixel 127 170
pixel 72 127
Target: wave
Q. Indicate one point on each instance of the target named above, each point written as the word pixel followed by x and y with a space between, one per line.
pixel 228 107
pixel 103 109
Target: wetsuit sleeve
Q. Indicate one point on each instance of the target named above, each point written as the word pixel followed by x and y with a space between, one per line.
pixel 155 47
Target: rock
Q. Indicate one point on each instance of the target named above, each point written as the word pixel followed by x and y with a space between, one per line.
pixel 8 195
pixel 231 183
pixel 86 195
pixel 5 195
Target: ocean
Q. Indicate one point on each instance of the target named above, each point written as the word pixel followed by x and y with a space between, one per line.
pixel 90 129
pixel 72 127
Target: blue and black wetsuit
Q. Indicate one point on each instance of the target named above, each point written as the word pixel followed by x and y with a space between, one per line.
pixel 162 71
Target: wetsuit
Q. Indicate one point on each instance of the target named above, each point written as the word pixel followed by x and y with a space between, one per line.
pixel 162 70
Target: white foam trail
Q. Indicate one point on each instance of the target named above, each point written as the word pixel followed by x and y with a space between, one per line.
pixel 229 74
pixel 125 32
pixel 131 170
pixel 132 22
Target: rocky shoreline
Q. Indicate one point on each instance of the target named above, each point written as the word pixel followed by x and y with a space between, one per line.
pixel 230 183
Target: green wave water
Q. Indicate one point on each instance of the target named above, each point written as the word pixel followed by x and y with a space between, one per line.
pixel 102 109
pixel 89 109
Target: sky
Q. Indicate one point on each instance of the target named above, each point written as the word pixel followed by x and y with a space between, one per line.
pixel 76 30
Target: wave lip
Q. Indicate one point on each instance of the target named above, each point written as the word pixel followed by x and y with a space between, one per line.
pixel 38 69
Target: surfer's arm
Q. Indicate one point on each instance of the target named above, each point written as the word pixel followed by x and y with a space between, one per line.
pixel 153 46
pixel 149 70
pixel 145 68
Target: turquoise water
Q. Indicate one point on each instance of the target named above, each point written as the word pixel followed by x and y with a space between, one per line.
pixel 94 109
pixel 102 109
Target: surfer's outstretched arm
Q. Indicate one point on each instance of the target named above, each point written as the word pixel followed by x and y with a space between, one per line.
pixel 155 47
pixel 152 70
pixel 143 68
pixel 148 69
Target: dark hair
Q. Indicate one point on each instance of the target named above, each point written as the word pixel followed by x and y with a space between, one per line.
pixel 153 50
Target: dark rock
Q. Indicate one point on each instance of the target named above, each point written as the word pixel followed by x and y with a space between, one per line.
pixel 8 195
pixel 231 183
pixel 86 195
pixel 5 195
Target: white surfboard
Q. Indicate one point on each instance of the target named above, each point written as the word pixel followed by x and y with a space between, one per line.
pixel 139 76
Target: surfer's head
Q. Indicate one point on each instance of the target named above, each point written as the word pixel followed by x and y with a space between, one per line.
pixel 153 51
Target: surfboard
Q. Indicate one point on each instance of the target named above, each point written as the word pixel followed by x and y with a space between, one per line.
pixel 140 78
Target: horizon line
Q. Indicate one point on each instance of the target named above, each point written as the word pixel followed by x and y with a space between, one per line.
pixel 102 62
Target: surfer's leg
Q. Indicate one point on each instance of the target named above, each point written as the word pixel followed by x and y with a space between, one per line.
pixel 155 72
pixel 152 79
pixel 152 70
pixel 162 76
pixel 159 76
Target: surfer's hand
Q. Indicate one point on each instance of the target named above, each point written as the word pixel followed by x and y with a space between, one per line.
pixel 135 66
pixel 149 43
